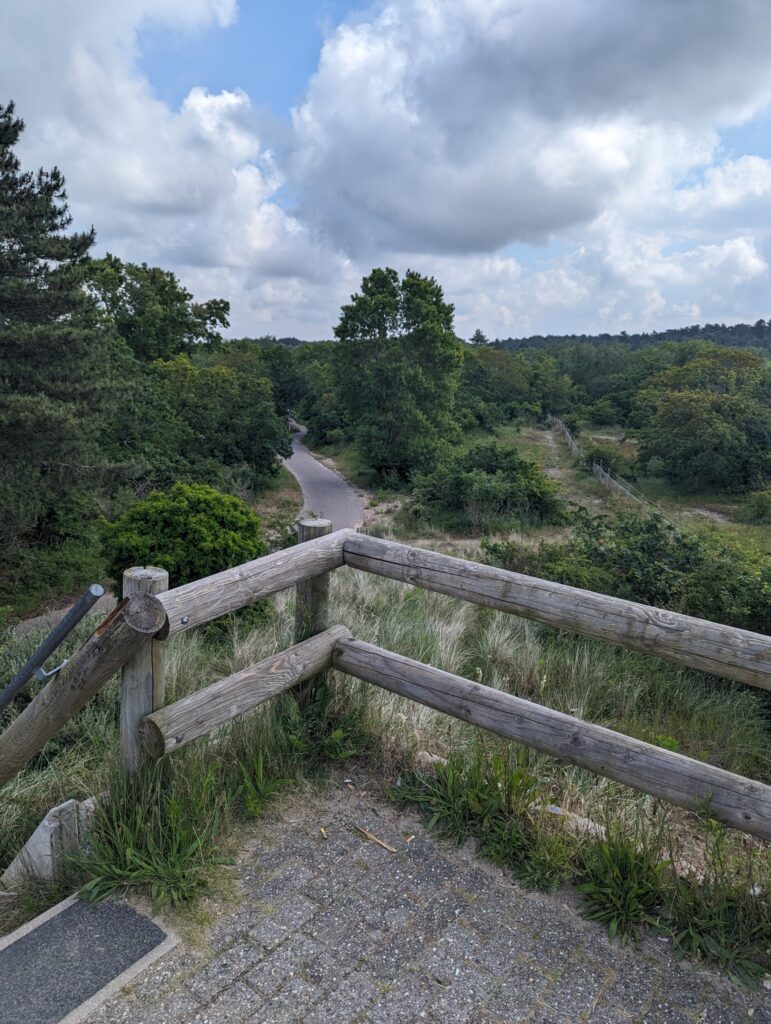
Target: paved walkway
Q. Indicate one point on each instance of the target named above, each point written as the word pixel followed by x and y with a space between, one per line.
pixel 325 494
pixel 334 928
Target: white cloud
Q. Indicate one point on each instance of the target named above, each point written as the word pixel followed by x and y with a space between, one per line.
pixel 432 135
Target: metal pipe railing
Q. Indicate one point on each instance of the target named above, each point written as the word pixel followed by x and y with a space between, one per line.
pixel 61 630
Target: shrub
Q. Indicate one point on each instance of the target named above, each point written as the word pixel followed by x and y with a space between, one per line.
pixel 191 530
pixel 610 456
pixel 486 485
pixel 757 507
pixel 644 558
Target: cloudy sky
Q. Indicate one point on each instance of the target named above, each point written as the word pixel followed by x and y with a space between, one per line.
pixel 558 165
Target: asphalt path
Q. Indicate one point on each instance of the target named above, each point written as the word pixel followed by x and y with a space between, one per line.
pixel 325 494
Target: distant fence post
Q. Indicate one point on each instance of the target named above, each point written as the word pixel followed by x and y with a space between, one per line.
pixel 142 678
pixel 311 610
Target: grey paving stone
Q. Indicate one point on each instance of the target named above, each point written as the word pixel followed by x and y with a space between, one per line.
pixel 388 961
pixel 517 996
pixel 724 1012
pixel 289 959
pixel 178 1008
pixel 223 970
pixel 233 927
pixel 401 1004
pixel 663 1014
pixel 237 1003
pixel 325 888
pixel 633 987
pixel 433 917
pixel 544 1015
pixel 328 971
pixel 347 1003
pixel 576 990
pixel 340 930
pixel 291 1003
pixel 456 1002
pixel 609 1015
pixel 283 883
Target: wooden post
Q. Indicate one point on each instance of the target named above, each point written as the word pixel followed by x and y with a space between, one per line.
pixel 142 690
pixel 311 610
pixel 311 613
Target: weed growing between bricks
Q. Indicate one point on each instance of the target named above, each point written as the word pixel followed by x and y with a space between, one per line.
pixel 627 878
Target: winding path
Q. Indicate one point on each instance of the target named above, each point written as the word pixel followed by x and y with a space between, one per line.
pixel 324 492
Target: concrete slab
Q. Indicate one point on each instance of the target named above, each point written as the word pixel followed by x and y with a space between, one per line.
pixel 59 967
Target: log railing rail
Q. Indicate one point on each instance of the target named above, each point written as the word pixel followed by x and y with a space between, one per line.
pixel 157 730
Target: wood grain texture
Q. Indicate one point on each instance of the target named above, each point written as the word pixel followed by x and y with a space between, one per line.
pixel 227 591
pixel 180 723
pixel 142 682
pixel 723 650
pixel 311 609
pixel 130 625
pixel 736 801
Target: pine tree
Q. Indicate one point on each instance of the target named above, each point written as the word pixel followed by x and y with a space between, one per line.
pixel 53 378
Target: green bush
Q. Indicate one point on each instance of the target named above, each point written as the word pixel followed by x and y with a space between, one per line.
pixel 645 559
pixel 610 456
pixel 757 508
pixel 483 486
pixel 191 530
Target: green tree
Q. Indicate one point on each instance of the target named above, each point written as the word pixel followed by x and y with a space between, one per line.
pixel 397 370
pixel 704 440
pixel 56 378
pixel 151 311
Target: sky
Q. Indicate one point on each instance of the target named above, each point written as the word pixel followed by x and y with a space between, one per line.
pixel 560 166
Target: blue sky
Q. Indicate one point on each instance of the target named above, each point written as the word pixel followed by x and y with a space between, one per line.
pixel 558 165
pixel 270 51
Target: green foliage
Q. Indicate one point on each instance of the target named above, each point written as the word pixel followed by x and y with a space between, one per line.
pixel 757 507
pixel 645 559
pixel 151 311
pixel 724 917
pixel 609 456
pixel 114 382
pixel 490 798
pixel 55 380
pixel 157 832
pixel 396 370
pixel 258 785
pixel 485 486
pixel 191 530
pixel 622 885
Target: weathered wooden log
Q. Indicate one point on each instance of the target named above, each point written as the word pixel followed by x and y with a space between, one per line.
pixel 723 650
pixel 132 623
pixel 227 591
pixel 736 801
pixel 180 723
pixel 142 678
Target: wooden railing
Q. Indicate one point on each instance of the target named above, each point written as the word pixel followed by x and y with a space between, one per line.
pixel 148 728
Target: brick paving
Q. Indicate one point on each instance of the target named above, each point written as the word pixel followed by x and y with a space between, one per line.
pixel 332 928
